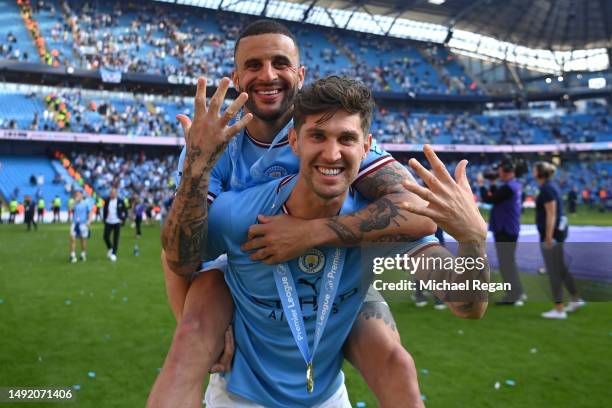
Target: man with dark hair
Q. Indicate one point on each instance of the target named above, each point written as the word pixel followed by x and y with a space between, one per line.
pixel 331 138
pixel 114 214
pixel 269 74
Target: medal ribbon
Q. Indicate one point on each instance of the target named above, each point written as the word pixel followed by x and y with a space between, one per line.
pixel 290 301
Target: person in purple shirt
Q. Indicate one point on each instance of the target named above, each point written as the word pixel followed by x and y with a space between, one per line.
pixel 505 224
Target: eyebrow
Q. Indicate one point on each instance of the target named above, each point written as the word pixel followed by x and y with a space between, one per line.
pixel 278 57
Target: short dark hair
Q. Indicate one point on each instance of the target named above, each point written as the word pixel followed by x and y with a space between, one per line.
pixel 265 26
pixel 331 94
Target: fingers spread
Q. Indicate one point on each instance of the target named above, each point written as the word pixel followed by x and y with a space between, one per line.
pixel 241 124
pixel 185 124
pixel 234 108
pixel 217 99
pixel 436 164
pixel 419 210
pixel 432 182
pixel 422 192
pixel 199 105
pixel 461 175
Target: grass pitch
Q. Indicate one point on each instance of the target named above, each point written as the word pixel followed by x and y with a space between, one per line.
pixel 104 328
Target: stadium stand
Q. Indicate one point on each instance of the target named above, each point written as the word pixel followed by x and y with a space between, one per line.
pixel 33 176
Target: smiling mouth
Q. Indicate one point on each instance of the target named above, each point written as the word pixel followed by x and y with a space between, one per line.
pixel 329 171
pixel 268 92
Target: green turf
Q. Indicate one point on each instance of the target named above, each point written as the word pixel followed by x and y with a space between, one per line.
pixel 119 325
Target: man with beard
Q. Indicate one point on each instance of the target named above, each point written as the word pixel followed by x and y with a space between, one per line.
pixel 268 73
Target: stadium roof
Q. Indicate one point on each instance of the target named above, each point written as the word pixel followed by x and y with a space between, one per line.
pixel 560 25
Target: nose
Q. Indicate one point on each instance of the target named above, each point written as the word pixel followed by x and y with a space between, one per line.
pixel 268 72
pixel 331 152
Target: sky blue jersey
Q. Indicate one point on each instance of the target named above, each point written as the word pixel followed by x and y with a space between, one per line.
pixel 81 211
pixel 247 162
pixel 268 367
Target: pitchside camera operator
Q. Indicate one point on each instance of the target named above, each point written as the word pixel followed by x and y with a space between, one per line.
pixel 505 221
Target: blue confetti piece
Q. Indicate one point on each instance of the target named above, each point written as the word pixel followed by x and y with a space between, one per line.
pixel 76 387
pixel 361 404
pixel 1 301
pixel 91 374
pixel 424 371
pixel 114 291
pixel 68 302
pixel 423 397
pixel 511 383
pixel 125 298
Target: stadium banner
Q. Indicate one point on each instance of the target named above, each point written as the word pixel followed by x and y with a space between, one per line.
pixel 48 136
pixel 43 136
pixel 402 274
pixel 531 148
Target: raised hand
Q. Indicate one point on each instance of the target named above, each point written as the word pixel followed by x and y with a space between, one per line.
pixel 451 202
pixel 209 132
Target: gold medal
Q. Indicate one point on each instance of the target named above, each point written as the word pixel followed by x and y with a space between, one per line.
pixel 309 378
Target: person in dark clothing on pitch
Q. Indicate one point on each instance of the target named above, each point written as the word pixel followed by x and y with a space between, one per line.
pixel 29 210
pixel 114 214
pixel 505 222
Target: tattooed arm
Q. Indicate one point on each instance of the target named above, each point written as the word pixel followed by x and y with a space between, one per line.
pixel 185 229
pixel 384 219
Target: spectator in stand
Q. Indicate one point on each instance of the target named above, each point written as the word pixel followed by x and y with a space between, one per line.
pixel 572 199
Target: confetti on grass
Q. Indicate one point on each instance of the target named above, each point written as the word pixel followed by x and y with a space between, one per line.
pixel 361 404
pixel 424 371
pixel 510 383
pixel 91 374
pixel 67 302
pixel 76 387
pixel 497 385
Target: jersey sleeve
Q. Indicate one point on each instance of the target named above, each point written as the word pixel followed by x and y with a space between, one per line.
pixel 218 177
pixel 376 158
pixel 219 226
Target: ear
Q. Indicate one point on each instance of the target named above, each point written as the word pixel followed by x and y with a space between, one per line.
pixel 235 79
pixel 293 141
pixel 366 146
pixel 301 75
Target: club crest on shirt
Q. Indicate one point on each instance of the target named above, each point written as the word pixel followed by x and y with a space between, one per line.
pixel 275 171
pixel 312 261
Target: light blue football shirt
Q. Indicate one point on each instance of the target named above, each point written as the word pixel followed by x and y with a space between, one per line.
pixel 81 211
pixel 268 367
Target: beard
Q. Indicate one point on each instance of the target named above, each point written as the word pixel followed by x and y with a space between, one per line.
pixel 286 103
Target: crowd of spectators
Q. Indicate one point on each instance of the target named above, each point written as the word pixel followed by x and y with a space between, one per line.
pixel 137 115
pixel 156 39
pixel 151 180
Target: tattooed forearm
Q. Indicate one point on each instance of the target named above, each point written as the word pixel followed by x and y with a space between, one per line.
pixel 344 233
pixel 381 213
pixel 394 238
pixel 185 231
